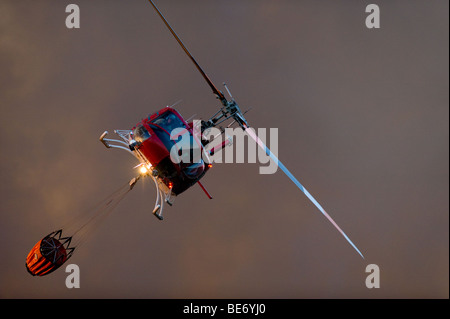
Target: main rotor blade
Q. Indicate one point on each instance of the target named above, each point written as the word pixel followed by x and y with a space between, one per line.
pixel 210 83
pixel 301 187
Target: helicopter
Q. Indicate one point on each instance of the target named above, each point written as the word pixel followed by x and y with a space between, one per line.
pixel 149 142
pixel 153 143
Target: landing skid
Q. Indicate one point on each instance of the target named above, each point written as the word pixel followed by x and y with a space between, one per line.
pixel 164 194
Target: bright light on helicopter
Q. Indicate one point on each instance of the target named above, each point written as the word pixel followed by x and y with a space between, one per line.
pixel 143 170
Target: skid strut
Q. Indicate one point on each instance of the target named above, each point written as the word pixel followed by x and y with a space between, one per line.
pixel 163 193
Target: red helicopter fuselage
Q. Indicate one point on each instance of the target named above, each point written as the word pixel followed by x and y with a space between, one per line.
pixel 158 141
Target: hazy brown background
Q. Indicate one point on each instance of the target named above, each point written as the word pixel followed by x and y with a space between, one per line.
pixel 363 123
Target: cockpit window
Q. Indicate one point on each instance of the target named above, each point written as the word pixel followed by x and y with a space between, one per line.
pixel 164 125
pixel 141 133
pixel 172 132
pixel 169 121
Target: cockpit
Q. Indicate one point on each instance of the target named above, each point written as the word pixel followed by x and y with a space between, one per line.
pixel 140 134
pixel 174 133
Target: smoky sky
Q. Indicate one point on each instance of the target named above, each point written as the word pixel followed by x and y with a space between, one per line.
pixel 362 117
